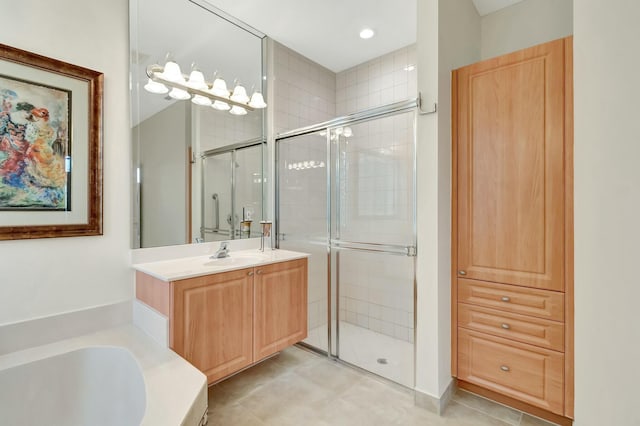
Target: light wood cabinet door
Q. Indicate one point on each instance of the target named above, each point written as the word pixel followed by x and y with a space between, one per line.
pixel 280 306
pixel 211 322
pixel 510 129
pixel 528 373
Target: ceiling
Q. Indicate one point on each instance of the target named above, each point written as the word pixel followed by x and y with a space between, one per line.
pixel 327 31
pixel 486 7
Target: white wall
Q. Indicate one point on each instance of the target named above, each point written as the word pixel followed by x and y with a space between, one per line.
pixel 459 28
pixel 50 276
pixel 607 208
pixel 163 141
pixel 448 37
pixel 525 24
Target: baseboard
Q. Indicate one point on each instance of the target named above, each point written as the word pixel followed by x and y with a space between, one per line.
pixel 433 404
pixel 41 331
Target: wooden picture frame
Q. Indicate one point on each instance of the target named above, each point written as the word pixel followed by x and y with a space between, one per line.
pixel 50 147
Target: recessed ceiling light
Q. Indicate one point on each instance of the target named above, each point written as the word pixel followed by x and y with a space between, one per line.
pixel 367 33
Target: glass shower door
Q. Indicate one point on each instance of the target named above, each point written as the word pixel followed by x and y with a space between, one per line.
pixel 373 241
pixel 248 189
pixel 232 193
pixel 302 220
pixel 217 197
pixel 355 215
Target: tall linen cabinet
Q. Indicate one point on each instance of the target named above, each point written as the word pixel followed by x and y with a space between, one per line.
pixel 512 229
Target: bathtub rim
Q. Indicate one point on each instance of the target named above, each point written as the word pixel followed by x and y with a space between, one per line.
pixel 175 391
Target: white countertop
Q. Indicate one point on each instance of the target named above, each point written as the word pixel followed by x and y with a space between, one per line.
pixel 189 267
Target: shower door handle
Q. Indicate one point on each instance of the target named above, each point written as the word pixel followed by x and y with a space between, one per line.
pixel 216 212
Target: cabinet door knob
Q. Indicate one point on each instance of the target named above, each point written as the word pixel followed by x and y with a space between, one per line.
pixel 259 271
pixel 250 273
pixel 506 299
pixel 461 272
pixel 506 326
pixel 504 368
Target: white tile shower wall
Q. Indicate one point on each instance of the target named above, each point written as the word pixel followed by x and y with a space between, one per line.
pixel 381 81
pixel 376 292
pixel 214 129
pixel 377 188
pixel 304 91
pixel 304 94
pixel 303 215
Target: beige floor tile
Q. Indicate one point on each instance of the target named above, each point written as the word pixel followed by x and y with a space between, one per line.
pixel 287 395
pixel 493 409
pixel 329 374
pixel 457 414
pixel 303 389
pixel 232 414
pixel 528 420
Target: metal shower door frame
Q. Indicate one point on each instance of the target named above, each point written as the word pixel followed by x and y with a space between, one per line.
pixel 335 243
pixel 230 149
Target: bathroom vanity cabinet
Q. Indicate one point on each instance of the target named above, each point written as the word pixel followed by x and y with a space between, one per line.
pixel 512 229
pixel 224 322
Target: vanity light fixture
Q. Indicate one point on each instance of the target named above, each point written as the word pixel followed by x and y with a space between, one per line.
pixel 215 94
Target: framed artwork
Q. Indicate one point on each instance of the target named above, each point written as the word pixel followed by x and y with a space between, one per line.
pixel 50 147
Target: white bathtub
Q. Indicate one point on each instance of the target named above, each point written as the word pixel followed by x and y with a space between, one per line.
pixel 89 386
pixel 117 377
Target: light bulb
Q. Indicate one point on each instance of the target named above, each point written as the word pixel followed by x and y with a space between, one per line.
pixel 222 106
pixel 179 94
pixel 172 72
pixel 196 80
pixel 236 110
pixel 201 100
pixel 219 88
pixel 155 87
pixel 367 33
pixel 240 95
pixel 257 101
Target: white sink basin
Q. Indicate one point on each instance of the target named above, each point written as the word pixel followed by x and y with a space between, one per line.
pixel 235 260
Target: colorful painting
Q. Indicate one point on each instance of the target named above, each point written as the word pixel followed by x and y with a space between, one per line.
pixel 34 146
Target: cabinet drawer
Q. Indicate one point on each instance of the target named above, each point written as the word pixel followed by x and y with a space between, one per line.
pixel 526 329
pixel 528 373
pixel 519 300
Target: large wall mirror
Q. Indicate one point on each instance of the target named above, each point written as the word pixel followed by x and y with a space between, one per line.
pixel 198 170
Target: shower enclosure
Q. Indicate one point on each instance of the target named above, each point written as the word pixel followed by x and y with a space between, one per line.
pixel 232 192
pixel 346 195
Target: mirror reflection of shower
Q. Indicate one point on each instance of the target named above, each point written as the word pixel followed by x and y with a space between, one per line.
pixel 231 184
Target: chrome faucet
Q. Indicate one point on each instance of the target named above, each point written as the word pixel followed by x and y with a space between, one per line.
pixel 223 251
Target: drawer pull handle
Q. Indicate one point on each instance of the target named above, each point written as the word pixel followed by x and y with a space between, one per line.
pixel 462 272
pixel 504 368
pixel 250 273
pixel 506 326
pixel 506 299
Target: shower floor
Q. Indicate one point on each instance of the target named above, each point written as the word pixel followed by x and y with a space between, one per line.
pixel 363 348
